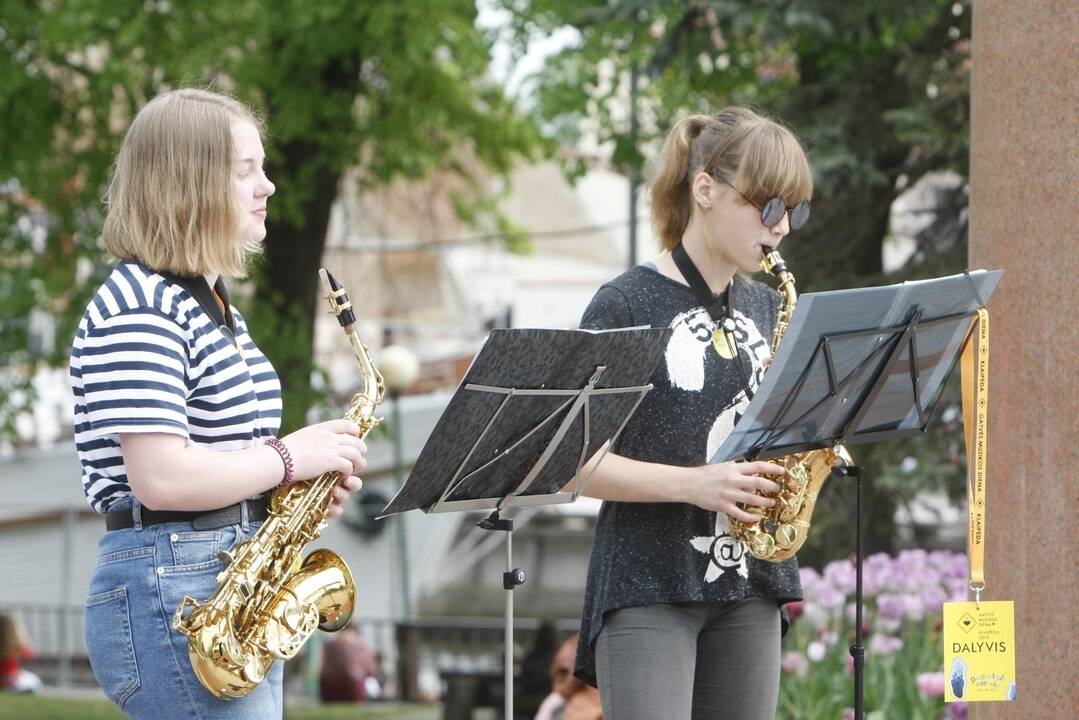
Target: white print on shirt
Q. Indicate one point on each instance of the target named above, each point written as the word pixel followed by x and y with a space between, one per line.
pixel 725 554
pixel 690 342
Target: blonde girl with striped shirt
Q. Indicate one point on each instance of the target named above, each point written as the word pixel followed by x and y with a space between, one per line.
pixel 176 409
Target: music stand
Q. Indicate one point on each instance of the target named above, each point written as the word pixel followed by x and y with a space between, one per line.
pixel 860 366
pixel 533 407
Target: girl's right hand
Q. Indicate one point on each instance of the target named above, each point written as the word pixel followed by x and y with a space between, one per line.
pixel 333 445
pixel 720 487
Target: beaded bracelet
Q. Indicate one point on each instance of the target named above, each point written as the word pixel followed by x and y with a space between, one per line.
pixel 286 458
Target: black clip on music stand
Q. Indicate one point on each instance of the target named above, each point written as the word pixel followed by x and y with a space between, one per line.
pixel 532 409
pixel 858 386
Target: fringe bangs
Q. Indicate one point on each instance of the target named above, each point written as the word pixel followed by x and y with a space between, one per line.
pixel 774 164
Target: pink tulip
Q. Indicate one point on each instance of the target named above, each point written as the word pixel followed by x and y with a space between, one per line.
pixel 931 683
pixel 955 711
pixel 881 644
pixel 795 662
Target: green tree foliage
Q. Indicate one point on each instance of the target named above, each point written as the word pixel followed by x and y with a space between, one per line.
pixel 878 92
pixel 389 89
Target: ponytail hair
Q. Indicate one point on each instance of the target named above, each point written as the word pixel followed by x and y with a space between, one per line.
pixel 756 154
pixel 671 201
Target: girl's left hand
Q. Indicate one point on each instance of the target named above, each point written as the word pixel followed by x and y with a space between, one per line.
pixel 341 492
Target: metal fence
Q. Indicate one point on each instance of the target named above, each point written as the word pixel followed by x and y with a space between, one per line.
pixel 57 634
pixel 414 656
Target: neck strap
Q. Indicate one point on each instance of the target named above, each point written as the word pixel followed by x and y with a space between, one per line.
pixel 718 306
pixel 213 301
pixel 719 309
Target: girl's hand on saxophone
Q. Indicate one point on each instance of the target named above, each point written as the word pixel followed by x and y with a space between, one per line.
pixel 328 446
pixel 721 487
pixel 347 485
pixel 332 446
pixel 718 488
pixel 168 474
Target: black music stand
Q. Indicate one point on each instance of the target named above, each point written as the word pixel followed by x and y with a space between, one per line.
pixel 532 409
pixel 859 366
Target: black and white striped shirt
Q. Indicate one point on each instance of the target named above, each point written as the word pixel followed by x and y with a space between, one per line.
pixel 147 357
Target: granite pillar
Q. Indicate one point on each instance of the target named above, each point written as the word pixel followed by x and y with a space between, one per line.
pixel 1024 179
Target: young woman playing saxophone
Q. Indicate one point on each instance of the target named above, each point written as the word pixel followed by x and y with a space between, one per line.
pixel 679 620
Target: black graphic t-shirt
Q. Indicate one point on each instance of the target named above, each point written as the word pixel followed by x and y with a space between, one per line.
pixel 648 553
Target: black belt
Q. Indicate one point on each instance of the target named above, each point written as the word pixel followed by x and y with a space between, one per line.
pixel 257 510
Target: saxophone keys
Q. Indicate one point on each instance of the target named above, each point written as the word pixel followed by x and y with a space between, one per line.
pixel 254 670
pixel 762 546
pixel 178 617
pixel 786 535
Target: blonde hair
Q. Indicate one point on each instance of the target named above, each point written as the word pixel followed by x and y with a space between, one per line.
pixel 12 643
pixel 171 203
pixel 755 154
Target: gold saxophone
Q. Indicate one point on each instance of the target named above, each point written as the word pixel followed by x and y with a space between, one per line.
pixel 782 528
pixel 268 603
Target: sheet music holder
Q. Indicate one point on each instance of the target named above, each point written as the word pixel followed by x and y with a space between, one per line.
pixel 532 409
pixel 534 406
pixel 858 366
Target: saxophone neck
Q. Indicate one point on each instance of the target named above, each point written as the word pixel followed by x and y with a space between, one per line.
pixel 786 289
pixel 774 264
pixel 374 388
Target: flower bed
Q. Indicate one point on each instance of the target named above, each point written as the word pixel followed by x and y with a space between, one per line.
pixel 904 597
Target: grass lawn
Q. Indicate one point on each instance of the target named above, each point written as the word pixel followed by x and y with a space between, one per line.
pixel 30 707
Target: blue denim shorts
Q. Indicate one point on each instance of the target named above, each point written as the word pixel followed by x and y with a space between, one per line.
pixel 140 662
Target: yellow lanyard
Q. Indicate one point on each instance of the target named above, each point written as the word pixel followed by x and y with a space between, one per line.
pixel 975 372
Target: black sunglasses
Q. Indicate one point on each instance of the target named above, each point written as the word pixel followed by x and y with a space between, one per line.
pixel 774 210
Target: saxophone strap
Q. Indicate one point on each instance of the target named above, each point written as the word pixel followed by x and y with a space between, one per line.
pixel 719 308
pixel 716 305
pixel 975 380
pixel 214 301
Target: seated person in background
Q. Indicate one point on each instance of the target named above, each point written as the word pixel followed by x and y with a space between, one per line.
pixel 14 649
pixel 350 671
pixel 535 680
pixel 570 699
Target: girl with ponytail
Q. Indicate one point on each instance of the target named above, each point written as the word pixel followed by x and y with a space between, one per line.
pixel 679 620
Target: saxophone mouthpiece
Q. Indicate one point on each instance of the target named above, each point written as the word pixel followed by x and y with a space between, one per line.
pixel 772 262
pixel 329 279
pixel 340 305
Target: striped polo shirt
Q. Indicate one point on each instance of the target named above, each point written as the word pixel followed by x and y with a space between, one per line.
pixel 148 357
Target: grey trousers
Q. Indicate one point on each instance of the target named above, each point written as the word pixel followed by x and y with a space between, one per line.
pixel 690 661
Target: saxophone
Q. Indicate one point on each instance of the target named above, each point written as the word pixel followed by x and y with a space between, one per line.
pixel 268 603
pixel 782 528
